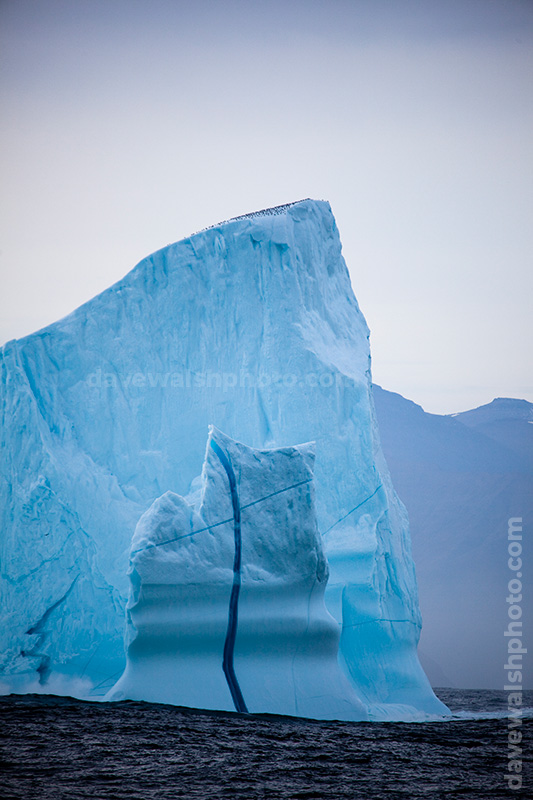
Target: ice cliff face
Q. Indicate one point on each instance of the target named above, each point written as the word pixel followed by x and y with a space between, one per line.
pixel 226 607
pixel 253 326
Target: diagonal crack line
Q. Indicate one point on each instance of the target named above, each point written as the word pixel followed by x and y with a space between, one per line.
pixel 223 521
pixel 353 509
pixel 280 491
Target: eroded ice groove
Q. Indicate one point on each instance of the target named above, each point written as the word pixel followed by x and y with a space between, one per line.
pixel 251 325
pixel 278 654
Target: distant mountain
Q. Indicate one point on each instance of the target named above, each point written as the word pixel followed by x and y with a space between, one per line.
pixel 509 422
pixel 461 478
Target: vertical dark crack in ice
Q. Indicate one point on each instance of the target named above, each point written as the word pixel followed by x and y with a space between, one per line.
pixel 233 614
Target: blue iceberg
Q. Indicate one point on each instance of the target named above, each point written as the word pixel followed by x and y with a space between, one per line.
pixel 250 325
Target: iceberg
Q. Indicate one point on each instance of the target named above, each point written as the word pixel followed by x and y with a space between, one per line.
pixel 251 326
pixel 226 607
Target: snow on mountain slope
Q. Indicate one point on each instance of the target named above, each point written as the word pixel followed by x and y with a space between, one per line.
pixel 462 477
pixel 252 326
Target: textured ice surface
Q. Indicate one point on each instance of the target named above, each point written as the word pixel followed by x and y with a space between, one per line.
pixel 253 326
pixel 226 606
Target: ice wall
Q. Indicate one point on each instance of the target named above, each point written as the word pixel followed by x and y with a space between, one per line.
pixel 251 325
pixel 226 607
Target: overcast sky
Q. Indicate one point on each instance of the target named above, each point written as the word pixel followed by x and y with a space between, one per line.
pixel 129 124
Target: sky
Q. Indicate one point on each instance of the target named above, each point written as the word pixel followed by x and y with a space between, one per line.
pixel 130 124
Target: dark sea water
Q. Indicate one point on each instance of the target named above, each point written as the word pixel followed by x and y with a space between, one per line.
pixel 56 747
